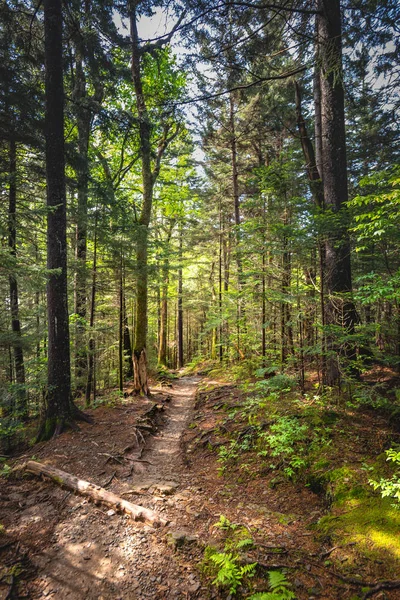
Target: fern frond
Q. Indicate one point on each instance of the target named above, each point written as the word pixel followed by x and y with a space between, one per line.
pixel 277 579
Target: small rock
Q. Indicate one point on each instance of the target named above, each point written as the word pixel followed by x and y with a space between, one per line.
pixel 180 537
pixel 110 513
pixel 167 488
pixel 194 587
pixel 149 529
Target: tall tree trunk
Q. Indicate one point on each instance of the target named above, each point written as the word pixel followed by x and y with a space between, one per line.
pixel 59 410
pixel 339 306
pixel 286 326
pixel 235 191
pixel 221 327
pixel 21 407
pixel 180 300
pixel 83 115
pixel 120 329
pixel 162 349
pixel 92 347
pixel 139 351
pixel 264 289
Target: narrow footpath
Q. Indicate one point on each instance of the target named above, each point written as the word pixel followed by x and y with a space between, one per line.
pixel 82 551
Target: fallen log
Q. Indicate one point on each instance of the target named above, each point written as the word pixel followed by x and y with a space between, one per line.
pixel 96 493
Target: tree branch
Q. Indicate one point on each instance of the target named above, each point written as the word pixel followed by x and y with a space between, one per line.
pixel 163 40
pixel 244 87
pixel 165 141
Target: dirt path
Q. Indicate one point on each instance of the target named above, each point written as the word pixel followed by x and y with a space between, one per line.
pixel 64 547
pixel 163 451
pixel 92 553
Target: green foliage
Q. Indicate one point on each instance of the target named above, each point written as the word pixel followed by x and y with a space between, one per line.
pixel 224 524
pixel 277 383
pixel 377 215
pixel 226 566
pixel 283 440
pixel 390 487
pixel 280 588
pixel 5 470
pixel 229 573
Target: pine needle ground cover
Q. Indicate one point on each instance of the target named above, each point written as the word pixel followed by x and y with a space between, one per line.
pixel 298 473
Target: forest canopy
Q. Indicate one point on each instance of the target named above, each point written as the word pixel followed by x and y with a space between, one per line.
pixel 224 189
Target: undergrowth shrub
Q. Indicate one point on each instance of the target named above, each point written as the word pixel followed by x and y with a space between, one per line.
pixel 227 568
pixel 229 573
pixel 390 487
pixel 283 441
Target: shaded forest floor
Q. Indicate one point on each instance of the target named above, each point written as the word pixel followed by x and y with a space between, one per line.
pixel 192 453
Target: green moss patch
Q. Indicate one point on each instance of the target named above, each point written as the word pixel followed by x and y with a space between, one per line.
pixel 371 523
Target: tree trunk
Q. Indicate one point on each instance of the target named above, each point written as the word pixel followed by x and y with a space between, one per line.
pixel 180 301
pixel 91 362
pixel 235 189
pixel 21 407
pixel 339 306
pixel 127 344
pixel 139 352
pixel 59 410
pixel 83 124
pixel 120 329
pixel 162 350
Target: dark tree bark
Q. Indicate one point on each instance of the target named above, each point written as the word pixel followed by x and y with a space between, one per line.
pixel 21 408
pixel 121 329
pixel 139 351
pixel 339 306
pixel 287 345
pixel 83 116
pixel 59 410
pixel 92 347
pixel 180 300
pixel 220 253
pixel 127 344
pixel 162 349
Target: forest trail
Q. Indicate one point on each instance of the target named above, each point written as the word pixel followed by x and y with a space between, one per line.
pixel 65 547
pixel 163 451
pixel 80 551
pixel 112 559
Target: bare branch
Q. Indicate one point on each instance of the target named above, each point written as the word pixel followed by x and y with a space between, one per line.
pixel 244 87
pixel 163 40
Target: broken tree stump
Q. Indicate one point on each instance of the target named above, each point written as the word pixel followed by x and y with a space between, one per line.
pixel 96 493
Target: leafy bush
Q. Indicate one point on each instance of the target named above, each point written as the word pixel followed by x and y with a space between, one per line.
pixel 390 487
pixel 282 441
